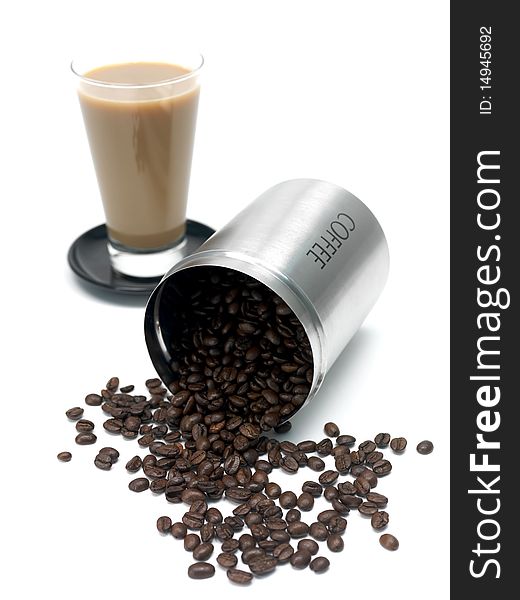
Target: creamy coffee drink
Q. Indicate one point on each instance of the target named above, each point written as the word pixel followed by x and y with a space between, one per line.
pixel 140 121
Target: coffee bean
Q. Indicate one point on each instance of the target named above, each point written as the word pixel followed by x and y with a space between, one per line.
pixel 179 531
pixel 199 507
pixel 313 487
pixel 103 462
pixel 229 546
pixel 144 441
pixel 326 515
pixel 307 446
pixel 201 570
pixel 398 444
pixel 297 529
pixel 337 524
pixel 382 440
pixel 113 425
pixel 319 531
pixel 367 446
pixel 319 564
pixel 132 424
pixel 213 515
pixel 339 450
pixel 368 508
pixel 331 429
pixel 300 559
pixel 93 400
pixel 203 551
pixel 357 457
pixel 139 485
pixel 64 456
pixel 346 487
pixel 315 463
pixel 190 495
pixel 373 457
pixel 369 476
pixel 223 531
pixel 267 545
pixel 112 384
pixel 380 519
pixel 127 389
pixel 166 450
pixel 259 531
pixel 330 493
pixel 134 464
pixel 389 542
pixel 283 552
pixel 84 425
pixel 345 440
pixel 111 452
pixel 335 543
pixel 191 541
pixel 350 501
pixel 238 494
pixel 378 499
pixel 273 490
pixel 328 477
pixel 324 447
pixel 362 486
pixel 236 523
pixel 293 515
pixel 152 383
pixel 207 532
pixel 262 566
pixel 239 577
pixel 227 560
pixel 193 520
pixel 75 413
pixel 382 467
pixel 288 447
pixel 357 470
pixel 158 486
pixel 84 439
pixel 127 434
pixel 164 524
pixel 342 463
pixel 253 518
pixel 281 537
pixel 246 542
pixel 287 500
pixel 289 464
pixel 305 501
pixel 340 508
pixel 263 465
pixel 425 447
pixel 309 546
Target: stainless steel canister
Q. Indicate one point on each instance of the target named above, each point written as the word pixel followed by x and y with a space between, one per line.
pixel 314 244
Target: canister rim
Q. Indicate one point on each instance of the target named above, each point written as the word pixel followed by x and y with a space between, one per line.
pixel 282 285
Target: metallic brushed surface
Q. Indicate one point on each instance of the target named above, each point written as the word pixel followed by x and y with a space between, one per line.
pixel 313 243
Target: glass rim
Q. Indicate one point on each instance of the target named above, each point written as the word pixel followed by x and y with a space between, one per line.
pixel 128 86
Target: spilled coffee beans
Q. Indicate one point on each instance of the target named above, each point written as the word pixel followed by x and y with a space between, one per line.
pixel 239 375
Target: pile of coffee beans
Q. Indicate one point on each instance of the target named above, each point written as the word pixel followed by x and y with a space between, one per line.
pixel 203 457
pixel 238 351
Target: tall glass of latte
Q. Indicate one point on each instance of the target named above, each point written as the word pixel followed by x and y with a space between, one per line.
pixel 140 118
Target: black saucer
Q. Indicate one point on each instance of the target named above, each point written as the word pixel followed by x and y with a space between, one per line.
pixel 88 258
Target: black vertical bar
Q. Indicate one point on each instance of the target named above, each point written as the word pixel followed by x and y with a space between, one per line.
pixel 485 256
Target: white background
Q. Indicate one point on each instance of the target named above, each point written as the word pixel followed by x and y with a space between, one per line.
pixel 348 91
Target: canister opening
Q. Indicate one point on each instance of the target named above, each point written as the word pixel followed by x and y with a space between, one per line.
pixel 232 343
